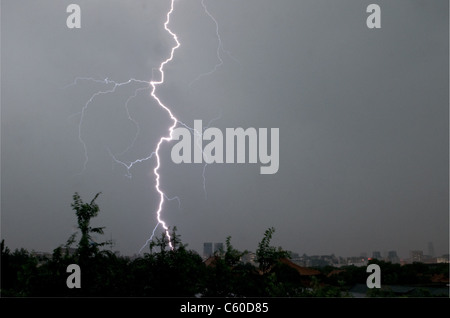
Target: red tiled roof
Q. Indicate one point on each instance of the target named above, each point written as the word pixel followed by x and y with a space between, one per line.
pixel 304 271
pixel 211 261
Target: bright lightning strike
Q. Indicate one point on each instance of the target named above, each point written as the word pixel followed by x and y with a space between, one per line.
pixel 153 86
pixel 174 119
pixel 162 196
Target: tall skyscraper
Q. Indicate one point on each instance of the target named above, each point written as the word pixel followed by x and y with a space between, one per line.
pixel 207 249
pixel 376 255
pixel 392 257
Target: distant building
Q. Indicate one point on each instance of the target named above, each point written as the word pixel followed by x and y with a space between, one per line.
pixel 317 260
pixel 210 248
pixel 376 255
pixel 207 249
pixel 443 259
pixel 356 261
pixel 392 257
pixel 41 255
pixel 249 257
pixel 416 256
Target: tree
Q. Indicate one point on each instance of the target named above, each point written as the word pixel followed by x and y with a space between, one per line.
pixel 18 270
pixel 163 242
pixel 172 272
pixel 267 256
pixel 232 256
pixel 85 212
pixel 96 266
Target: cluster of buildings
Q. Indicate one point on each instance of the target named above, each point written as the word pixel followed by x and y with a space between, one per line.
pixel 362 260
pixel 209 249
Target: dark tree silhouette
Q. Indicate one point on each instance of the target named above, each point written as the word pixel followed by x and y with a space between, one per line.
pixel 87 247
pixel 267 256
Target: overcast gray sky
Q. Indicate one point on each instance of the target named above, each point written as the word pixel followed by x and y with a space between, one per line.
pixel 363 119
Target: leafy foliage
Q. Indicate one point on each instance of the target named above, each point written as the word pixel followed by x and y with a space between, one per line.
pixel 87 247
pixel 266 255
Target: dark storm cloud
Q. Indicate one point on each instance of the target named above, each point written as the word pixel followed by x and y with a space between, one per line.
pixel 363 119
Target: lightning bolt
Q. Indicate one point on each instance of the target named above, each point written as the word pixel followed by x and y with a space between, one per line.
pixel 156 153
pixel 152 85
pixel 82 114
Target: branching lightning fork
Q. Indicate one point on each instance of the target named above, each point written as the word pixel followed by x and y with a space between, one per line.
pixel 152 86
pixel 220 47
